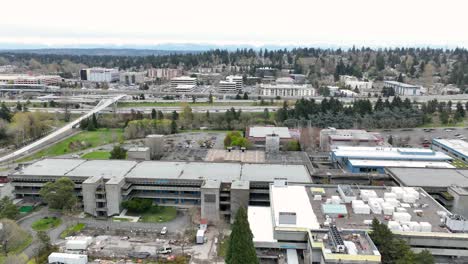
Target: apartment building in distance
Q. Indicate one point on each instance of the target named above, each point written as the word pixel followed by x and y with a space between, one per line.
pixel 165 74
pixel 24 79
pixel 184 82
pixel 285 87
pixel 403 89
pixel 100 75
pixel 131 78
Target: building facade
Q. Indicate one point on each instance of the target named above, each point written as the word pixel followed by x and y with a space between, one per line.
pixel 102 185
pixel 403 88
pixel 164 73
pixel 285 87
pixel 23 79
pixel 332 137
pixel 100 75
pixel 183 81
pixel 131 78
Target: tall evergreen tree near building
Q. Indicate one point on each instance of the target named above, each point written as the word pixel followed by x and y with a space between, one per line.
pixel 5 112
pixel 173 127
pixel 241 249
pixel 95 122
pixel 153 113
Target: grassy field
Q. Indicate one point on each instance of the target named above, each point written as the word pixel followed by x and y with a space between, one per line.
pixel 159 215
pixel 81 141
pixel 97 155
pixel 46 223
pixel 72 230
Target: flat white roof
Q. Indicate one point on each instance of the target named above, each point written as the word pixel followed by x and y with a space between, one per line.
pixel 389 153
pixel 261 223
pixel 261 132
pixel 458 145
pixel 51 167
pixel 401 163
pixel 293 199
pixel 403 85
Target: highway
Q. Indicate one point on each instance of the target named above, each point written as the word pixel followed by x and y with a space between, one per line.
pixel 38 143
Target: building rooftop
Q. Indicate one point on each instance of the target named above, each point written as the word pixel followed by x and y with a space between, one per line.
pixel 261 132
pixel 105 168
pixel 400 163
pixel 292 199
pixel 261 223
pixel 430 177
pixel 138 149
pixel 456 145
pixel 52 167
pixel 389 153
pixel 404 85
pixel 223 172
pixel 425 203
pixel 268 172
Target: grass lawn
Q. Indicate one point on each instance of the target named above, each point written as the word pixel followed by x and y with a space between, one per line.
pixel 78 142
pixel 159 214
pixel 97 155
pixel 46 223
pixel 72 230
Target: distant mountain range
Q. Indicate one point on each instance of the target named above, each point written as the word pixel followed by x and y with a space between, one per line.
pixel 157 50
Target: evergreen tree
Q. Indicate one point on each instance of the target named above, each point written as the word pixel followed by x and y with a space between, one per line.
pixel 210 98
pixel 94 121
pixel 118 153
pixel 5 112
pixel 266 114
pixel 173 127
pixel 160 115
pixel 19 107
pixel 175 116
pixel 91 126
pixel 246 96
pixel 241 249
pixel 153 113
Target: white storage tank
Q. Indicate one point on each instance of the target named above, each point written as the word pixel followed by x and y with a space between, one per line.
pixel 425 227
pixel 401 216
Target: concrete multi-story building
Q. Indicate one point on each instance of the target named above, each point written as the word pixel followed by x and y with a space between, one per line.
pixel 403 89
pixel 100 75
pixel 326 225
pixel 102 185
pixel 164 73
pixel 139 153
pixel 233 84
pixel 183 81
pixel 286 87
pixel 332 137
pixel 23 79
pixel 353 83
pixel 130 78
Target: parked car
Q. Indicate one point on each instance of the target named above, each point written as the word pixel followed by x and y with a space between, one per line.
pixel 165 250
pixel 164 231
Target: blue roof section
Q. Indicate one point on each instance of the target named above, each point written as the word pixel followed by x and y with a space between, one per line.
pixel 388 153
pixel 334 209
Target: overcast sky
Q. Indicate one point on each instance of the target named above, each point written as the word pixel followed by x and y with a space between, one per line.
pixel 256 22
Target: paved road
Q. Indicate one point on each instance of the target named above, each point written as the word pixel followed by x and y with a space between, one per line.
pixel 50 137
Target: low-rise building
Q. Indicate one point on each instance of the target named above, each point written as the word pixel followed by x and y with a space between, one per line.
pixel 139 153
pixel 285 87
pixel 376 159
pixel 332 137
pixel 403 89
pixel 24 79
pixel 454 147
pixel 354 83
pixel 258 135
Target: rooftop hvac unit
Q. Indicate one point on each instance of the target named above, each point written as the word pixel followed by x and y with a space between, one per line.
pixel 336 240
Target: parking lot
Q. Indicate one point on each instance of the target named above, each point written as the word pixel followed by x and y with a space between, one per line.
pixel 416 136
